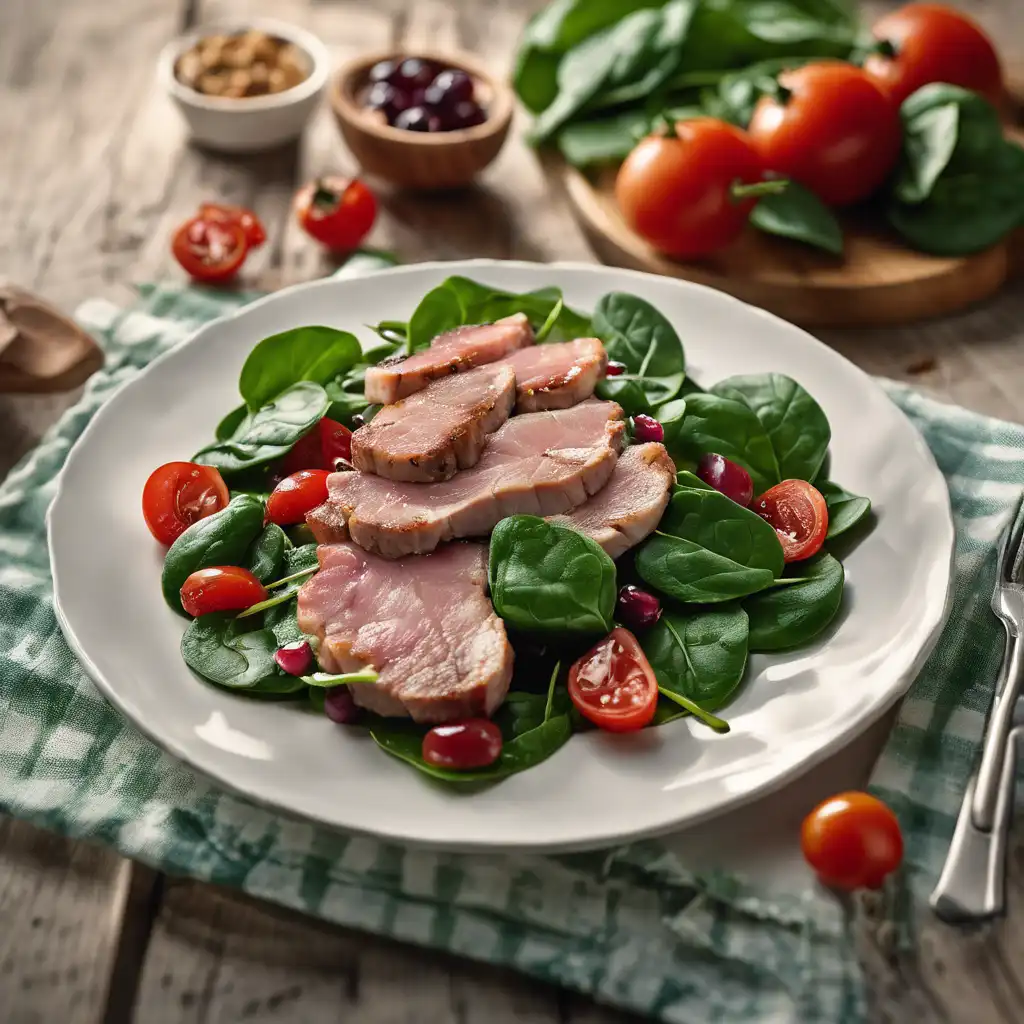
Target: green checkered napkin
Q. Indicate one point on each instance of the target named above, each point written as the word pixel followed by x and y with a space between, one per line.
pixel 631 926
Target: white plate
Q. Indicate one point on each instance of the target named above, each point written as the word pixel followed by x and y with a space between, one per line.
pixel 792 710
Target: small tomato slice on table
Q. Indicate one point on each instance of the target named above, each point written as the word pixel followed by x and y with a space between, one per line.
pixel 221 588
pixel 852 841
pixel 799 515
pixel 219 213
pixel 209 250
pixel 613 684
pixel 178 494
pixel 337 212
pixel 296 495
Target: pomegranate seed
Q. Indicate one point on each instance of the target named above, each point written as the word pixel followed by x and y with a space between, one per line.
pixel 614 369
pixel 461 746
pixel 637 609
pixel 647 428
pixel 726 476
pixel 295 658
pixel 340 706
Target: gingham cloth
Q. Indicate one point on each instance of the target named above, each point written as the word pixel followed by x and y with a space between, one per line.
pixel 631 925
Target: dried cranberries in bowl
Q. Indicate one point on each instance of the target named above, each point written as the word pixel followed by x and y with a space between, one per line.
pixel 422 95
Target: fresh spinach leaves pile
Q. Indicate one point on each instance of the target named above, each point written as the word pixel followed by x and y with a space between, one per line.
pixel 717 567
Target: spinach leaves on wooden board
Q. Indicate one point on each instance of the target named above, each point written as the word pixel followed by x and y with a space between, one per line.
pixel 845 510
pixel 550 579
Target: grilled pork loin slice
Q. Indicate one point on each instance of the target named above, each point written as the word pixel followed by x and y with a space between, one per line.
pixel 631 504
pixel 424 623
pixel 557 376
pixel 541 463
pixel 433 434
pixel 453 352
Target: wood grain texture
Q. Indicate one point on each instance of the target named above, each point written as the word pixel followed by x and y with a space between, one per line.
pixel 88 197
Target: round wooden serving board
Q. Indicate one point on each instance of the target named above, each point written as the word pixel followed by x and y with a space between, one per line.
pixel 878 282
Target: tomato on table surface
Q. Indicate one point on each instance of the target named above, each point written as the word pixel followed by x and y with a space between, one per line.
pixel 221 588
pixel 208 250
pixel 852 841
pixel 178 494
pixel 613 684
pixel 321 448
pixel 831 128
pixel 923 43
pixel 799 515
pixel 463 746
pixel 691 193
pixel 338 212
pixel 296 495
pixel 220 213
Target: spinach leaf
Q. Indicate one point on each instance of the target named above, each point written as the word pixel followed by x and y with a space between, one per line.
pixel 796 425
pixel 299 565
pixel 699 654
pixel 226 652
pixel 229 426
pixel 641 338
pixel 265 558
pixel 684 478
pixel 672 416
pixel 798 214
pixel 729 427
pixel 269 433
pixel 797 609
pixel 845 510
pixel 708 549
pixel 550 579
pixel 220 539
pixel 283 621
pixel 316 354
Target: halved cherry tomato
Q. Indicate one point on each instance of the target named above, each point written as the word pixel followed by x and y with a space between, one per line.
pixel 462 746
pixel 613 684
pixel 799 515
pixel 218 213
pixel 221 588
pixel 831 128
pixel 852 840
pixel 296 495
pixel 210 251
pixel 923 43
pixel 337 212
pixel 178 494
pixel 327 442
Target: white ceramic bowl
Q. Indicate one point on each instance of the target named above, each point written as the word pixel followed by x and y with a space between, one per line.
pixel 255 122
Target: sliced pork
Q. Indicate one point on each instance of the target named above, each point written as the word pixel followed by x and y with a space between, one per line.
pixel 630 506
pixel 558 375
pixel 541 463
pixel 453 352
pixel 434 433
pixel 424 623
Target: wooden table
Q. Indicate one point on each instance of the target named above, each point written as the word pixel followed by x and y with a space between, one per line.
pixel 94 174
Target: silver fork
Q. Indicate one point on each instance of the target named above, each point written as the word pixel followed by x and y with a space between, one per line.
pixel 972 884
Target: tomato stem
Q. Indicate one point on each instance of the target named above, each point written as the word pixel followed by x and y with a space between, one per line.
pixel 740 190
pixel 710 720
pixel 324 197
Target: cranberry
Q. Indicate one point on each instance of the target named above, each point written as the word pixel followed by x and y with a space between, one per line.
pixel 464 114
pixel 461 746
pixel 340 706
pixel 724 475
pixel 413 73
pixel 418 119
pixel 647 428
pixel 614 369
pixel 636 608
pixel 383 70
pixel 450 87
pixel 295 658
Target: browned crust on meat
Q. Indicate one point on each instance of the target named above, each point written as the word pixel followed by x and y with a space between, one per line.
pixel 327 523
pixel 566 390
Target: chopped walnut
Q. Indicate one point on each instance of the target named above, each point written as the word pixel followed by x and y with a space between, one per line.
pixel 248 63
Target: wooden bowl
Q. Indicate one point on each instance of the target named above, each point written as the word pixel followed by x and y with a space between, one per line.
pixel 421 160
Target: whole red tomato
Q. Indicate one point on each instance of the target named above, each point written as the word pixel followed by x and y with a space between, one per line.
pixel 684 193
pixel 831 128
pixel 337 212
pixel 923 43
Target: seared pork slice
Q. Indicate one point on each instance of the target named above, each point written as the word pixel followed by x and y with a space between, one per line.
pixel 327 524
pixel 557 376
pixel 541 463
pixel 453 352
pixel 433 434
pixel 424 623
pixel 631 504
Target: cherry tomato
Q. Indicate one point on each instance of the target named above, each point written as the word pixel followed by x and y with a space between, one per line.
pixel 852 840
pixel 296 495
pixel 831 128
pixel 217 213
pixel 179 494
pixel 679 192
pixel 799 515
pixel 210 251
pixel 613 684
pixel 462 746
pixel 221 588
pixel 327 442
pixel 338 212
pixel 923 43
